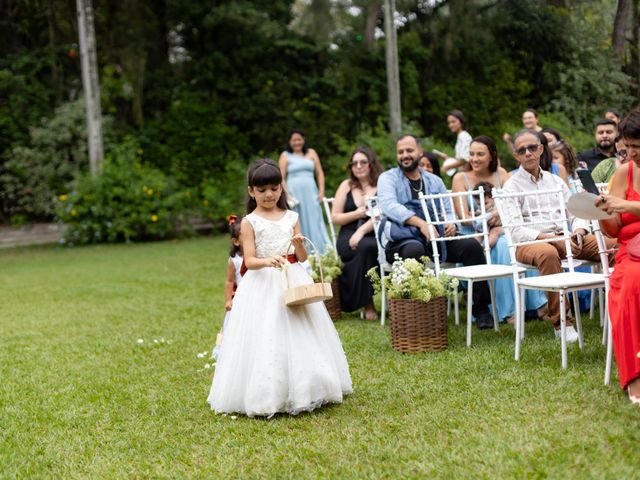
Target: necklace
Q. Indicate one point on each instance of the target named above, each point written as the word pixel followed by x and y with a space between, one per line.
pixel 413 188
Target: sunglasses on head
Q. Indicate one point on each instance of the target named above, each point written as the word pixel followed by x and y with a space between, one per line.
pixel 531 148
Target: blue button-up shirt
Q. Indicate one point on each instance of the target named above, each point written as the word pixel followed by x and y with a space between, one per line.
pixel 394 192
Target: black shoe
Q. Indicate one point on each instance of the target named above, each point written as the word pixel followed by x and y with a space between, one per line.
pixel 484 321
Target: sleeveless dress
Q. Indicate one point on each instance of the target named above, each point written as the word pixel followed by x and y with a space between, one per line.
pixel 503 287
pixel 355 287
pixel 301 184
pixel 277 358
pixel 624 295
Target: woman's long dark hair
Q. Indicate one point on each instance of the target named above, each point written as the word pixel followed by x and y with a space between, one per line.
pixel 546 159
pixel 305 149
pixel 493 150
pixel 264 171
pixel 375 168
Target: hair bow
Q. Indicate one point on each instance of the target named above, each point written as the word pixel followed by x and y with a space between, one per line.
pixel 232 219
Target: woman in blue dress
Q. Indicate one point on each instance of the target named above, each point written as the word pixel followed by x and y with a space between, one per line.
pixel 300 166
pixel 483 162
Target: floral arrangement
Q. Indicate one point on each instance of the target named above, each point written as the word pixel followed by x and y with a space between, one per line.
pixel 331 266
pixel 412 279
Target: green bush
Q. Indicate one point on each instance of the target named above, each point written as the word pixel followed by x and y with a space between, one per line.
pixel 129 201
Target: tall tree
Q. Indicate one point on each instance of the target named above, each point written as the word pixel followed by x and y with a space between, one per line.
pixel 620 28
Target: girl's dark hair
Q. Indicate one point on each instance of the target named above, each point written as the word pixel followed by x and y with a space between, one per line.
pixel 570 157
pixel 264 171
pixel 459 115
pixel 433 160
pixel 630 125
pixel 487 187
pixel 532 110
pixel 553 132
pixel 546 159
pixel 375 167
pixel 234 231
pixel 493 150
pixel 305 149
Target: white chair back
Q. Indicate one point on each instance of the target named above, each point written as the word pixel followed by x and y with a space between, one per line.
pixel 438 211
pixel 542 210
pixel 373 211
pixel 328 203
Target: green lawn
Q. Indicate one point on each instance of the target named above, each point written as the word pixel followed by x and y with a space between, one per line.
pixel 81 398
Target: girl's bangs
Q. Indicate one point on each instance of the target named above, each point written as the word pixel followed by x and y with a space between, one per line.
pixel 266 174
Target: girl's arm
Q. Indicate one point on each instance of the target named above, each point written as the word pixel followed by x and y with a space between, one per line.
pixel 562 173
pixel 298 243
pixel 229 282
pixel 249 250
pixel 319 173
pixel 460 207
pixel 338 216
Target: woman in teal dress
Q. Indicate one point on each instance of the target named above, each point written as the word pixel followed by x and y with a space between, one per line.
pixel 300 166
pixel 483 162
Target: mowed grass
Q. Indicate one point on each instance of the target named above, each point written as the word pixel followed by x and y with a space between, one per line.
pixel 80 398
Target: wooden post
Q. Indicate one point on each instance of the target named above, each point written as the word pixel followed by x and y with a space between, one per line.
pixel 90 84
pixel 393 75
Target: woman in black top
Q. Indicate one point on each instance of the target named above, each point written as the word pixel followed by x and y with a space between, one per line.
pixel 356 242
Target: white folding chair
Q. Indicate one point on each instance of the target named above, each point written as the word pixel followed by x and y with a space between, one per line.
pixel 376 217
pixel 532 210
pixel 436 214
pixel 327 203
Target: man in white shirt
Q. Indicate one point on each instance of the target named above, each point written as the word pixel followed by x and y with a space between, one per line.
pixel 547 257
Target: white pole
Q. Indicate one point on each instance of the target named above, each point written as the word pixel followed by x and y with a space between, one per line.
pixel 91 86
pixel 393 75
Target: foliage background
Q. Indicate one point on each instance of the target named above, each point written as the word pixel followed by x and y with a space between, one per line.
pixel 202 89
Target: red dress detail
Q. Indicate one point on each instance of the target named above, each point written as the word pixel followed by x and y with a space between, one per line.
pixel 624 295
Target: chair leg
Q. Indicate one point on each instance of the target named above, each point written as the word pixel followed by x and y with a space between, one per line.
pixel 448 305
pixel 494 308
pixel 605 330
pixel 469 310
pixel 607 368
pixel 592 303
pixel 456 307
pixel 601 304
pixel 576 306
pixel 518 325
pixel 563 329
pixel 523 297
pixel 383 307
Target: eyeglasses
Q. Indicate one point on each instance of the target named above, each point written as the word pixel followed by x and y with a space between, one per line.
pixel 359 163
pixel 530 148
pixel 621 154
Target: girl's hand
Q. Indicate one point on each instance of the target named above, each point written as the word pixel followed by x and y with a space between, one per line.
pixel 227 305
pixel 297 241
pixel 276 261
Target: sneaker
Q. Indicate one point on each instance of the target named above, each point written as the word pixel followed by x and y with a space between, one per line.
pixel 572 334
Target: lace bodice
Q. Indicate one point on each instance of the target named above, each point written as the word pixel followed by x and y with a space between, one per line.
pixel 273 236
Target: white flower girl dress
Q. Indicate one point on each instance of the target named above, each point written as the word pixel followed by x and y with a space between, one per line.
pixel 277 358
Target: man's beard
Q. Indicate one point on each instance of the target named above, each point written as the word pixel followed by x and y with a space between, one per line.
pixel 606 145
pixel 415 162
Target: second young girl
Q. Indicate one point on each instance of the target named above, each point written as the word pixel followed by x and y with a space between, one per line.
pixel 276 358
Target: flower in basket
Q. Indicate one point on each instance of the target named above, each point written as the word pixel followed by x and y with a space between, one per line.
pixel 412 279
pixel 331 266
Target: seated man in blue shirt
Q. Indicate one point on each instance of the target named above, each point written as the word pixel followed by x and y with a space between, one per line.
pixel 398 191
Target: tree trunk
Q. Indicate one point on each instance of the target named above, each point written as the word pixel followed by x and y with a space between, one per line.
pixel 393 75
pixel 619 29
pixel 373 12
pixel 635 47
pixel 90 84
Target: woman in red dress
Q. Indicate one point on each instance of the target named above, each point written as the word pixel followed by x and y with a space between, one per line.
pixel 624 294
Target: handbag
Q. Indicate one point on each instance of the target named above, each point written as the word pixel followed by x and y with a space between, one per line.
pixel 310 293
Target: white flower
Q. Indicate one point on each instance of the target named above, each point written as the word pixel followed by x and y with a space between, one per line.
pixel 234 417
pixel 155 340
pixel 140 340
pixel 200 355
pixel 206 365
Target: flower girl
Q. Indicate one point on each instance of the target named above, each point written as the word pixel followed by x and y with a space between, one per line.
pixel 234 275
pixel 276 358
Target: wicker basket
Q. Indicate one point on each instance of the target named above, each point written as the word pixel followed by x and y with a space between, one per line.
pixel 418 326
pixel 309 293
pixel 333 304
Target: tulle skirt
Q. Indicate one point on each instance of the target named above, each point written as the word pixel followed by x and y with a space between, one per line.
pixel 277 358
